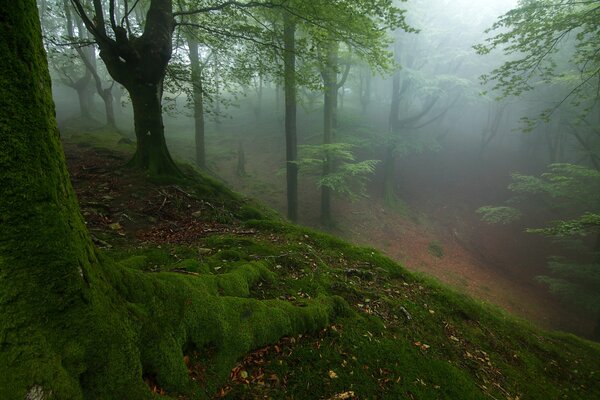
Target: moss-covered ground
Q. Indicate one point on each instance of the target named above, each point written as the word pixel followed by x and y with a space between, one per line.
pixel 371 329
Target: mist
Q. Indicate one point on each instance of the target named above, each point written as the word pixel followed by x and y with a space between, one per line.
pixel 401 157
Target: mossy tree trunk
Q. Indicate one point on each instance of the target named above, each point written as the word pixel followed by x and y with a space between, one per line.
pixel 45 252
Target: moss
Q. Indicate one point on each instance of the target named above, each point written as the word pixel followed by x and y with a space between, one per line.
pixel 135 262
pixel 248 212
pixel 193 266
pixel 436 249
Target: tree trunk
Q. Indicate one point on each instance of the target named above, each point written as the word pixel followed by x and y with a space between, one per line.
pixel 291 140
pixel 389 176
pixel 198 97
pixel 84 96
pixel 365 91
pixel 151 153
pixel 241 161
pixel 109 108
pixel 389 162
pixel 140 65
pixel 45 251
pixel 329 120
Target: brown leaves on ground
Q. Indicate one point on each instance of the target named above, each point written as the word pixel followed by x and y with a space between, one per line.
pixel 117 202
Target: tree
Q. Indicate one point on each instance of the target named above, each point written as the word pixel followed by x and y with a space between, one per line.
pixel 291 139
pixel 419 98
pixel 74 325
pixel 139 64
pixel 361 27
pixel 68 62
pixel 552 43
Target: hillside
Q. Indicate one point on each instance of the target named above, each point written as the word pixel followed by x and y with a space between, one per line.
pixel 394 334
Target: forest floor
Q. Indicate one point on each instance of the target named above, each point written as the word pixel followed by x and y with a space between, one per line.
pixel 403 336
pixel 434 231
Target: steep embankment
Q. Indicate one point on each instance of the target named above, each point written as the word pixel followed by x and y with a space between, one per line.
pixel 437 232
pixel 400 335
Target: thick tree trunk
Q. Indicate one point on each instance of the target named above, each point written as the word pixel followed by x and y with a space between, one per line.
pixel 291 140
pixel 84 96
pixel 151 153
pixel 140 65
pixel 45 252
pixel 198 98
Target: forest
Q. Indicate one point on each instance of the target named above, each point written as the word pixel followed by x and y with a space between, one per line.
pixel 299 199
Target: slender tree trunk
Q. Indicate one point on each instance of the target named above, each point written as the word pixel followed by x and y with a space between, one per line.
pixel 365 91
pixel 389 176
pixel 241 161
pixel 291 140
pixel 329 121
pixel 199 127
pixel 259 96
pixel 389 162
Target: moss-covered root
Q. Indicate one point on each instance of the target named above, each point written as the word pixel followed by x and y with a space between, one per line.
pixel 210 314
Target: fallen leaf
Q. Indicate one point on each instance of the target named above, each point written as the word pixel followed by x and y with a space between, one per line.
pixel 332 375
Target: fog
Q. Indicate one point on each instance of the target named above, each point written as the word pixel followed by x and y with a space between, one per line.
pixel 417 146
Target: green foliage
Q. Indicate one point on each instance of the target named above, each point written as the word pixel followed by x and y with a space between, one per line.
pixel 348 176
pixel 582 226
pixel 578 284
pixel 573 191
pixel 499 215
pixel 565 185
pixel 547 41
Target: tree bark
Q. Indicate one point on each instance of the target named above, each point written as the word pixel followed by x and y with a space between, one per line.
pixel 198 98
pixel 151 153
pixel 45 252
pixel 330 84
pixel 84 95
pixel 140 64
pixel 365 90
pixel 291 140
